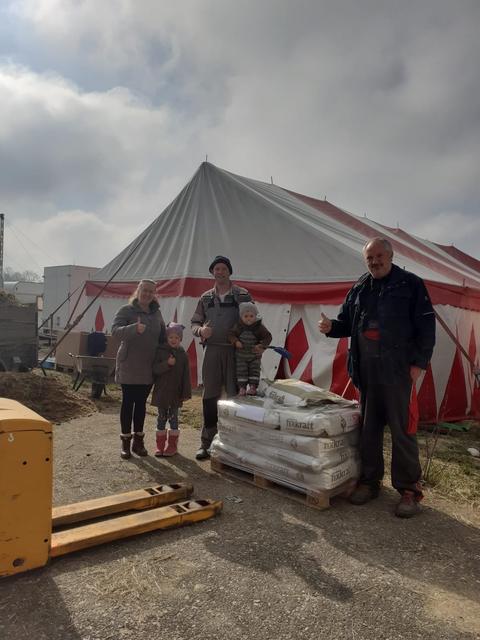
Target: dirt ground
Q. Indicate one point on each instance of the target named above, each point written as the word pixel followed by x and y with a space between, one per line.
pixel 265 568
pixel 51 396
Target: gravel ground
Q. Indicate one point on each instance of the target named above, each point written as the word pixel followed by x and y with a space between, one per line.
pixel 266 568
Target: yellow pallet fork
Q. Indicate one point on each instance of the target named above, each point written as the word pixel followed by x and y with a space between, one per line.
pixel 31 532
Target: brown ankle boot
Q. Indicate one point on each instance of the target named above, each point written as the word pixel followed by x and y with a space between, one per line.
pixel 408 506
pixel 138 447
pixel 125 452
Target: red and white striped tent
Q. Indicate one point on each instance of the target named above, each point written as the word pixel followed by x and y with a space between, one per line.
pixel 297 256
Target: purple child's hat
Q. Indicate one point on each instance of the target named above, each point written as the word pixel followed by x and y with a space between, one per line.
pixel 175 327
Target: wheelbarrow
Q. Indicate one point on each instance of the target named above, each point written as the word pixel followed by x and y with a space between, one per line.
pixel 96 369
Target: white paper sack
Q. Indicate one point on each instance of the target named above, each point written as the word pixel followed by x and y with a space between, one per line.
pixel 271 451
pixel 283 473
pixel 249 412
pixel 319 421
pixel 295 393
pixel 315 465
pixel 280 439
pixel 327 420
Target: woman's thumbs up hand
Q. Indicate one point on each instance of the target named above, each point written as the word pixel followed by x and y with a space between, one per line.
pixel 140 327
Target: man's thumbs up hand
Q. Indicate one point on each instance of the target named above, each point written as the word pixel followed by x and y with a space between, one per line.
pixel 324 324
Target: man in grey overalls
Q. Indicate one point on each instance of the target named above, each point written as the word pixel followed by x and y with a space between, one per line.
pixel 214 317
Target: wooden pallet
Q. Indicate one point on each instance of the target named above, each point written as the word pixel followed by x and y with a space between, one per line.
pixel 318 499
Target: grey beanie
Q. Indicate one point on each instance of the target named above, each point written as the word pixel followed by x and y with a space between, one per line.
pixel 243 307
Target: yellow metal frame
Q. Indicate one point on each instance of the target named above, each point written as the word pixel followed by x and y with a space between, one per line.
pixel 174 515
pixel 131 501
pixel 25 488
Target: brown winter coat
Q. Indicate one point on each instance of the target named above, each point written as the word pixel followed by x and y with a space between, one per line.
pixel 136 352
pixel 259 330
pixel 172 384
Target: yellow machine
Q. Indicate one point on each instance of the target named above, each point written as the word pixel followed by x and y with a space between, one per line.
pixel 25 488
pixel 27 521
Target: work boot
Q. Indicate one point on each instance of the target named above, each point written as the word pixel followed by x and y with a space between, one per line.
pixel 408 505
pixel 172 442
pixel 252 390
pixel 125 453
pixel 363 493
pixel 202 454
pixel 161 438
pixel 138 446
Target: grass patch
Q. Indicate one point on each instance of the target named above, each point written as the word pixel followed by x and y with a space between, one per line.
pixel 191 411
pixel 452 472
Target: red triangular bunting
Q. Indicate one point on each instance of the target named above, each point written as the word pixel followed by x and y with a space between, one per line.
pixel 339 367
pixel 413 412
pixel 454 403
pixel 307 374
pixel 192 358
pixel 297 344
pixel 280 375
pixel 427 399
pixel 99 320
pixel 475 400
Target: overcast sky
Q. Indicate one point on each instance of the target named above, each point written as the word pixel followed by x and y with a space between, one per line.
pixel 108 108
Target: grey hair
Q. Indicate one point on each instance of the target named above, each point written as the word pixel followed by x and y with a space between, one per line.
pixel 386 243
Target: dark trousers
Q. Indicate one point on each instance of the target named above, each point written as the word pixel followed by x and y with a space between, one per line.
pixel 210 419
pixel 218 371
pixel 386 404
pixel 134 400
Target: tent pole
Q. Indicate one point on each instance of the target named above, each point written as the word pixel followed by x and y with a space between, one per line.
pixel 79 317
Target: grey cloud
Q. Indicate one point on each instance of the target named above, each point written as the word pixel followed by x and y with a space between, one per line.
pixel 375 104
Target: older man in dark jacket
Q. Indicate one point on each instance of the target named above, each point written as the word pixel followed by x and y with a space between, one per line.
pixel 391 322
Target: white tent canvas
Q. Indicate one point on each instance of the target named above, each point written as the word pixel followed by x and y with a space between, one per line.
pixel 298 256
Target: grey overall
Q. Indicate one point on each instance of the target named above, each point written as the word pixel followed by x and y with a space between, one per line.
pixel 218 370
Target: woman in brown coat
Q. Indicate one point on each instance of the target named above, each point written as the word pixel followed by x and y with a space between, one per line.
pixel 141 328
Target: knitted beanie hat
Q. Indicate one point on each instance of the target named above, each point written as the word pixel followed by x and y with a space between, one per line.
pixel 244 307
pixel 175 327
pixel 222 259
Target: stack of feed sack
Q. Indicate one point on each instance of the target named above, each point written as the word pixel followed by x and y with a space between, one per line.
pixel 296 434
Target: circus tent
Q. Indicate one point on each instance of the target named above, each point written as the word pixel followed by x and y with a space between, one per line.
pixel 297 256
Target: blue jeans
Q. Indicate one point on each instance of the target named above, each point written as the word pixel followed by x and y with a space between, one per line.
pixel 170 414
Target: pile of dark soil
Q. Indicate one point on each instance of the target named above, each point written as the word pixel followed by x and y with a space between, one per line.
pixel 51 396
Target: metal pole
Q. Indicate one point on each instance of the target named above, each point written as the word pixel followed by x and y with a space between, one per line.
pixel 79 318
pixel 2 224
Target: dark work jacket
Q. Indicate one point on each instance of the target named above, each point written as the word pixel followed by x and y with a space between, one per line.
pixel 406 323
